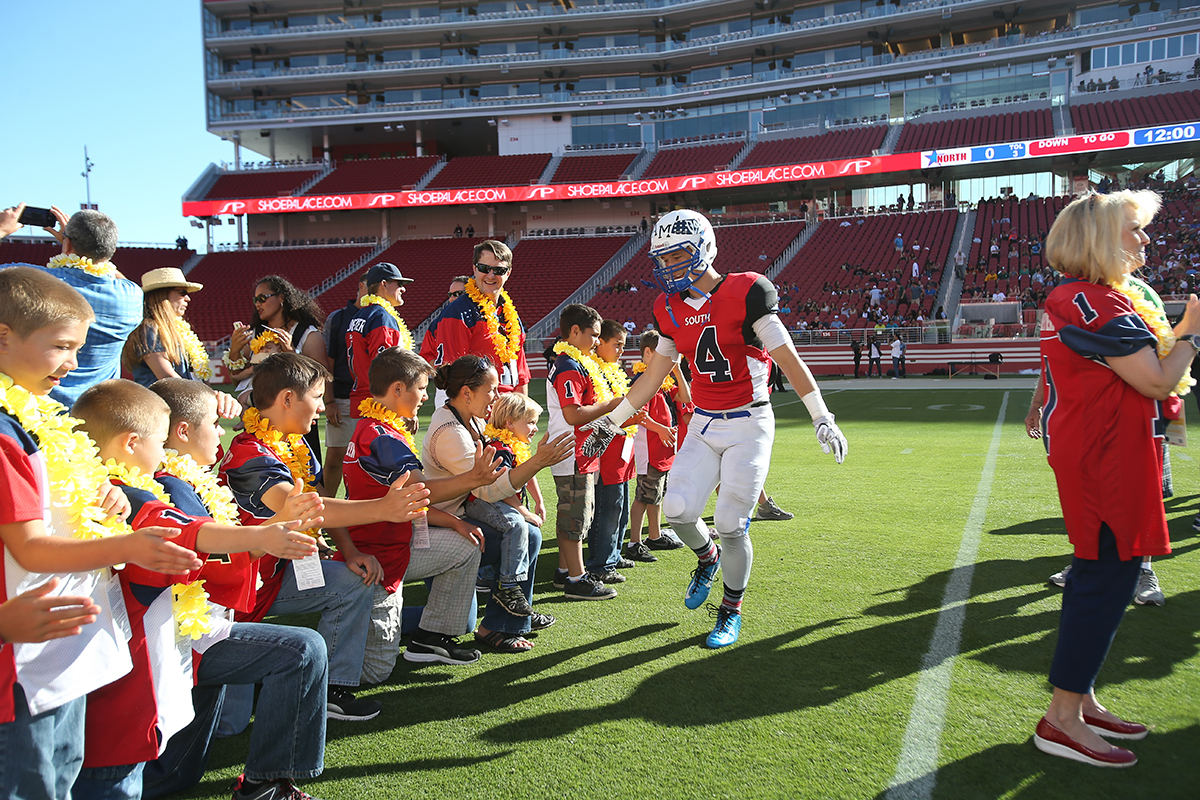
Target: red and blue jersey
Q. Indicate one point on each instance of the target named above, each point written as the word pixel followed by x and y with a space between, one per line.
pixel 377 457
pixel 24 485
pixel 460 330
pixel 250 469
pixel 573 387
pixel 649 446
pixel 1103 437
pixel 716 334
pixel 131 699
pixel 371 331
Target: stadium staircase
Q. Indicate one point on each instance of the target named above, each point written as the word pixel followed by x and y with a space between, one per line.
pixel 736 161
pixel 548 173
pixel 641 162
pixel 547 326
pixel 790 251
pixel 314 180
pixel 429 176
pixel 891 140
pixel 190 264
pixel 951 289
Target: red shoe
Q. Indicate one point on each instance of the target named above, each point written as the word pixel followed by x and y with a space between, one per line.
pixel 1050 739
pixel 1116 730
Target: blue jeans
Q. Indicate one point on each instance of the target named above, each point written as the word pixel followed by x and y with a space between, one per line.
pixel 608 527
pixel 41 756
pixel 109 783
pixel 514 549
pixel 185 759
pixel 495 618
pixel 288 740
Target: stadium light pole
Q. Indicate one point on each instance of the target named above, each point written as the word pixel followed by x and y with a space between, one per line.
pixel 86 175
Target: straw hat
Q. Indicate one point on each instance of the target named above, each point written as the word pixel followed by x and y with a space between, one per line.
pixel 168 278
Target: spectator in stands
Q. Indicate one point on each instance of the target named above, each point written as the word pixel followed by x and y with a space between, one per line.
pixel 898 242
pixel 911 201
pixel 630 326
pixel 470 231
pixel 89 239
pixel 337 435
pixel 876 295
pixel 645 225
pixel 181 243
pixel 458 231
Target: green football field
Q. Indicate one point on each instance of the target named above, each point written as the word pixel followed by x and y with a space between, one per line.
pixel 897 633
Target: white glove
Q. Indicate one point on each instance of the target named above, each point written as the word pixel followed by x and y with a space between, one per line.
pixel 830 437
pixel 603 431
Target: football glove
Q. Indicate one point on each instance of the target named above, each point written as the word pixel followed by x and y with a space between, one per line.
pixel 830 437
pixel 603 431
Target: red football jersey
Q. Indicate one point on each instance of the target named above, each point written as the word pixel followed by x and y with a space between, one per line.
pixel 573 387
pixel 375 459
pixel 372 331
pixel 459 330
pixel 1103 437
pixel 716 336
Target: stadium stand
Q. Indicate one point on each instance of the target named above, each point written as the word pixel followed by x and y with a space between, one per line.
pixel 470 171
pixel 845 143
pixel 133 262
pixel 964 132
pixel 258 183
pixel 212 313
pixel 374 175
pixel 820 280
pixel 688 160
pixel 593 169
pixel 740 248
pixel 1136 112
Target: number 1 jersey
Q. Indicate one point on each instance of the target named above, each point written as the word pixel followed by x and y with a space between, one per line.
pixel 729 365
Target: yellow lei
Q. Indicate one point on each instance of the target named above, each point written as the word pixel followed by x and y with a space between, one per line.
pixel 73 465
pixel 290 449
pixel 600 372
pixel 1156 320
pixel 504 435
pixel 197 356
pixel 215 497
pixel 406 340
pixel 189 601
pixel 507 346
pixel 105 270
pixel 668 383
pixel 268 336
pixel 372 409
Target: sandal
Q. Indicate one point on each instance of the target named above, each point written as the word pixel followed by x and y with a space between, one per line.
pixel 503 642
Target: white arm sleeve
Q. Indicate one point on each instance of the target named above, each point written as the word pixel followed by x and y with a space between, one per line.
pixel 770 330
pixel 666 347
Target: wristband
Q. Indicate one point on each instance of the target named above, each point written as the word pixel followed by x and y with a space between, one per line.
pixel 622 412
pixel 815 404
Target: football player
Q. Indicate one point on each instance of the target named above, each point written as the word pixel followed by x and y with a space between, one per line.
pixel 728 329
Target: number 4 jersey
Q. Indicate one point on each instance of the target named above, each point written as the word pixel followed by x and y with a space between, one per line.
pixel 728 362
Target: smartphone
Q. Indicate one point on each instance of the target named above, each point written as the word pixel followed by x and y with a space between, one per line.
pixel 38 217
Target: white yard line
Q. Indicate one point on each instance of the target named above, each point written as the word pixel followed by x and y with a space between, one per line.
pixel 916 771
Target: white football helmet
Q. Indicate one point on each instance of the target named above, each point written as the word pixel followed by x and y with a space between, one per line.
pixel 682 230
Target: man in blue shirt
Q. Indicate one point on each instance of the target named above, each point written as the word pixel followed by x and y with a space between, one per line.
pixel 89 239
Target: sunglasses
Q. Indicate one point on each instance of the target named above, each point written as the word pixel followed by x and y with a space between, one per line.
pixel 262 298
pixel 182 292
pixel 497 270
pixel 459 293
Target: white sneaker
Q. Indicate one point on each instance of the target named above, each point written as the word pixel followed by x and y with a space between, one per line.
pixel 771 511
pixel 1148 592
pixel 1059 579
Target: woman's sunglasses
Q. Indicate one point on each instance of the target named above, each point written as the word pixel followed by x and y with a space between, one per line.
pixel 262 298
pixel 497 270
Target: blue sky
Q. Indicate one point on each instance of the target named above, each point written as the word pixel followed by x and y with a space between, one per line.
pixel 126 80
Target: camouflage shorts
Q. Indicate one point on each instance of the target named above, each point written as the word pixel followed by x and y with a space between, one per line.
pixel 576 505
pixel 650 487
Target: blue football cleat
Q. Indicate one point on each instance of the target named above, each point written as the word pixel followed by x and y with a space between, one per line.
pixel 702 580
pixel 725 632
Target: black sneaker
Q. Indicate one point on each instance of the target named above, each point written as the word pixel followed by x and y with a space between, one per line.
pixel 638 551
pixel 560 578
pixel 624 563
pixel 512 600
pixel 608 576
pixel 342 704
pixel 278 789
pixel 588 588
pixel 426 646
pixel 539 622
pixel 664 542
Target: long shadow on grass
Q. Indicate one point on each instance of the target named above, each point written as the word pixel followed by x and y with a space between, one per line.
pixel 1018 770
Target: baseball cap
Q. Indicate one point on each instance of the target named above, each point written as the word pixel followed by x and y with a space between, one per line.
pixel 385 271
